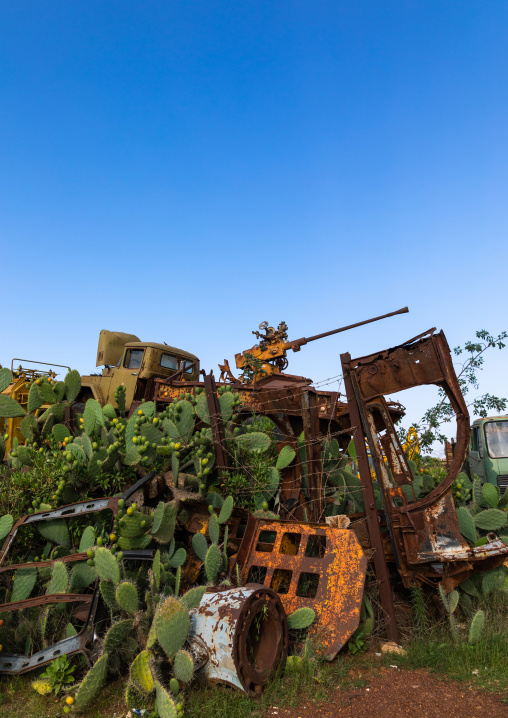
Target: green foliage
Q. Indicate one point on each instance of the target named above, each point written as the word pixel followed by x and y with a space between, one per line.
pixel 117 634
pixel 467 525
pixel 92 684
pixel 141 674
pixel 172 625
pixel 301 618
pixel 6 524
pixel 183 666
pixel 491 520
pixel 9 408
pixel 106 565
pixel 5 378
pixel 127 597
pixel 72 383
pixel 59 673
pixel 286 456
pixel 193 597
pixel 24 581
pixel 213 562
pixel 226 510
pixel 164 703
pixel 476 627
pixel 59 578
pixel 200 546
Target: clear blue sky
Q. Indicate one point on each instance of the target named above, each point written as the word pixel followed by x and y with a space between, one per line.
pixel 186 170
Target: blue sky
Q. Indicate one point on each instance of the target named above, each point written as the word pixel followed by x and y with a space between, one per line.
pixel 186 170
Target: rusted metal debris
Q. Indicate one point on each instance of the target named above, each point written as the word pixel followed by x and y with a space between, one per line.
pixel 310 565
pixel 239 636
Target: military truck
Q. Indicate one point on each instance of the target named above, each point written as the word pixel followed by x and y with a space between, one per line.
pixel 488 450
pixel 129 361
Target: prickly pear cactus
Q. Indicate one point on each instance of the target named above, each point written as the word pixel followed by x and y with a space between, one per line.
pixel 141 673
pixel 183 666
pixel 127 597
pixel 172 625
pixel 92 684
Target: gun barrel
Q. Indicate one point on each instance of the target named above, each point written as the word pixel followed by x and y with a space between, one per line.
pixel 303 340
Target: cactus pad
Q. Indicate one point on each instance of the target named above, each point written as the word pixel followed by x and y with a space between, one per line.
pixel 127 597
pixel 301 618
pixel 491 520
pixel 34 399
pixel 213 562
pixel 9 408
pixel 82 575
pixel 200 546
pixel 141 673
pixel 131 544
pixel 156 568
pixel 117 634
pixel 5 378
pixel 192 598
pixel 178 559
pixel 107 590
pixel 72 383
pixel 476 627
pixel 183 666
pixel 172 625
pixel 56 531
pixel 87 540
pixel 6 524
pixel 226 510
pixel 24 581
pixel 106 565
pixel 168 523
pixel 164 703
pixel 59 578
pixel 213 529
pixel 174 687
pixel 92 684
pixel 130 526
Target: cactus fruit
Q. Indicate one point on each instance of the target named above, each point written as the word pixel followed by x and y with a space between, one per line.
pixel 491 520
pixel 164 703
pixel 106 565
pixel 92 684
pixel 72 383
pixel 115 637
pixel 192 598
pixel 226 510
pixel 127 597
pixel 59 578
pixel 24 581
pixel 213 561
pixel 301 618
pixel 183 666
pixel 200 546
pixel 171 625
pixel 56 531
pixel 107 590
pixel 167 527
pixel 141 673
pixel 174 687
pixel 6 524
pixel 476 627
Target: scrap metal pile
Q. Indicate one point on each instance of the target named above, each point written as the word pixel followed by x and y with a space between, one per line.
pixel 302 553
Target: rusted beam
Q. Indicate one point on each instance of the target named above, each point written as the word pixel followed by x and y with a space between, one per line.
pixel 212 400
pixel 376 538
pixel 310 417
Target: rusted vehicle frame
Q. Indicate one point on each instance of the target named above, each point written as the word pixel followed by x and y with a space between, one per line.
pixel 427 542
pixel 16 663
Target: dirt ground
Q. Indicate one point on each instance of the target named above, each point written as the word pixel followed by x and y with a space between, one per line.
pixel 398 693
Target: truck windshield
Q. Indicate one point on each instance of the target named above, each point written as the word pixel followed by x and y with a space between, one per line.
pixel 496 435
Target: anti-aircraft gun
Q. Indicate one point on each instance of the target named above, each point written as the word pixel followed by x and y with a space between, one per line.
pixel 270 355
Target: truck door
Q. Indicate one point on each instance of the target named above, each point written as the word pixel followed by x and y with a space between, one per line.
pixel 127 374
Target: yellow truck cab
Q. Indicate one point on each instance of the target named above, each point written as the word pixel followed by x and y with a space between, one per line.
pixel 131 362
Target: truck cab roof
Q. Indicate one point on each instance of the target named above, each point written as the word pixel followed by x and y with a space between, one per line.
pixel 162 347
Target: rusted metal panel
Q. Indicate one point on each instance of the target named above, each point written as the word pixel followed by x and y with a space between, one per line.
pixel 313 438
pixel 221 457
pixel 312 565
pixel 239 637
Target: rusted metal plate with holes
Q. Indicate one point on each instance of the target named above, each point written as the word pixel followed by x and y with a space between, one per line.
pixel 312 565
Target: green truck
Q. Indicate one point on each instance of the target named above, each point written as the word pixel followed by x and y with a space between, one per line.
pixel 488 451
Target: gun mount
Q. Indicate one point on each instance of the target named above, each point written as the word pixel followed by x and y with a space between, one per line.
pixel 270 355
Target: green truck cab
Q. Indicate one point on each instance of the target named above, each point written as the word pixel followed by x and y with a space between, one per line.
pixel 133 363
pixel 488 450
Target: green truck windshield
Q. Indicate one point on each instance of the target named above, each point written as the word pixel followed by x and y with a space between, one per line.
pixel 496 434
